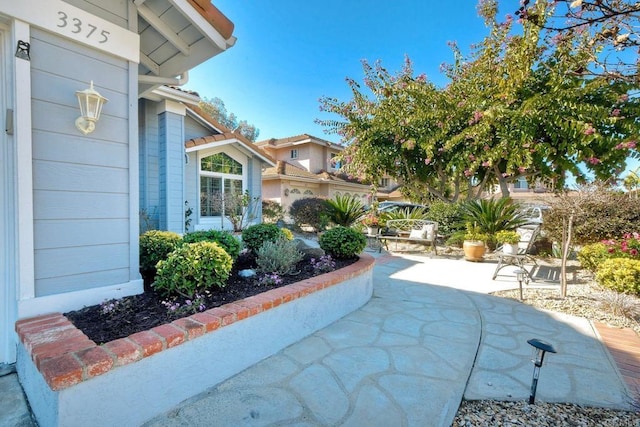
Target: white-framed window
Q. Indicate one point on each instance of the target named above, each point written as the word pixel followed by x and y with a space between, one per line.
pixel 384 182
pixel 294 153
pixel 221 180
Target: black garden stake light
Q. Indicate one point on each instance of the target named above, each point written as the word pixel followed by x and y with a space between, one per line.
pixel 541 348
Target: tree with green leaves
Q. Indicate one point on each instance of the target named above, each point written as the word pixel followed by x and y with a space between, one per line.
pixel 511 109
pixel 215 108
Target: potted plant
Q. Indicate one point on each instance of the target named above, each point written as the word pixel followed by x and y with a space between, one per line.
pixel 509 240
pixel 474 243
pixel 372 222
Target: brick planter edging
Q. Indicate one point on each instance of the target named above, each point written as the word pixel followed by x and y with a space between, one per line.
pixel 65 356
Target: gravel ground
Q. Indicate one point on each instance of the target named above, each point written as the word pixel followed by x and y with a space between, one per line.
pixel 584 299
pixel 484 413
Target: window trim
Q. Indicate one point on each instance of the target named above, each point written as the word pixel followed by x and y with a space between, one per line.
pixel 244 162
pixel 293 154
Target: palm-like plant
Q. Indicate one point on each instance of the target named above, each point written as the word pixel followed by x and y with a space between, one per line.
pixel 406 213
pixel 345 210
pixel 493 215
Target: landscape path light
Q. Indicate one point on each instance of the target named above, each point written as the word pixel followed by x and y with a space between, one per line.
pixel 521 276
pixel 91 103
pixel 541 348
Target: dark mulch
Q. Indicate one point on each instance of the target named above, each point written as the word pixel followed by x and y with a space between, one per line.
pixel 142 312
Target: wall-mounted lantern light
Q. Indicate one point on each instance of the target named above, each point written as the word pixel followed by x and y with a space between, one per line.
pixel 91 103
pixel 541 348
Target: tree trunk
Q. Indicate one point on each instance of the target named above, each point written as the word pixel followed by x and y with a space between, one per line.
pixel 567 226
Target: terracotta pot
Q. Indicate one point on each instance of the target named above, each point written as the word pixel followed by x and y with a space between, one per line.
pixel 474 250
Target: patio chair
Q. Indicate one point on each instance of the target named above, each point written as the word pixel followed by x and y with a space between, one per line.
pixel 528 234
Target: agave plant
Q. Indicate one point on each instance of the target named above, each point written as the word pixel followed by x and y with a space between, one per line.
pixel 345 210
pixel 406 213
pixel 493 215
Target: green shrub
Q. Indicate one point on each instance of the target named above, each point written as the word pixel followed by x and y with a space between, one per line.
pixel 493 215
pixel 280 256
pixel 272 211
pixel 620 274
pixel 607 215
pixel 456 239
pixel 255 236
pixel 225 239
pixel 591 256
pixel 447 215
pixel 345 209
pixel 343 242
pixel 193 267
pixel 404 213
pixel 309 211
pixel 155 246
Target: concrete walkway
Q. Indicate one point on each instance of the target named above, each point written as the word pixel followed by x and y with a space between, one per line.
pixel 429 337
pixel 409 356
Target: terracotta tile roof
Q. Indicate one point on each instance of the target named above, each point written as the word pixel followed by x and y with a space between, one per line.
pixel 297 138
pixel 284 168
pixel 225 135
pixel 221 23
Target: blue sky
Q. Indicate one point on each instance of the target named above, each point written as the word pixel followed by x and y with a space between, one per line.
pixel 289 53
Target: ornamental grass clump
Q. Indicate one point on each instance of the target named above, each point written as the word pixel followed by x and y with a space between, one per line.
pixel 193 267
pixel 281 256
pixel 343 242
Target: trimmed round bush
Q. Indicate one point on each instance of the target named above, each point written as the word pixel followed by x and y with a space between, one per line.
pixel 156 245
pixel 309 211
pixel 343 242
pixel 193 267
pixel 224 238
pixel 620 274
pixel 255 236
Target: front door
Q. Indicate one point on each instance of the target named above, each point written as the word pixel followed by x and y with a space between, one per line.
pixel 7 213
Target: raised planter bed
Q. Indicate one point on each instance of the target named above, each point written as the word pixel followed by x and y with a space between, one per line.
pixel 71 381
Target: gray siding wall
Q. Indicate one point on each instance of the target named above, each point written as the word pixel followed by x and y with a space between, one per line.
pixel 149 167
pixel 81 183
pixel 171 170
pixel 193 129
pixel 191 182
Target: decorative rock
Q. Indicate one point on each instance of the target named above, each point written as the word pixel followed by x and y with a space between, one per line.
pixel 247 273
pixel 309 251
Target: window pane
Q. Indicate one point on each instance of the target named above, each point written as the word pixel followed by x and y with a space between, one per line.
pixel 220 163
pixel 233 196
pixel 210 196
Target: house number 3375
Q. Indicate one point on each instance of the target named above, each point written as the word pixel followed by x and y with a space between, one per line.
pixel 76 26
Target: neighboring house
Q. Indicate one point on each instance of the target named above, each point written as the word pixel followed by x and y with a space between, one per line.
pixel 389 190
pixel 307 166
pixel 69 220
pixel 190 161
pixel 521 191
